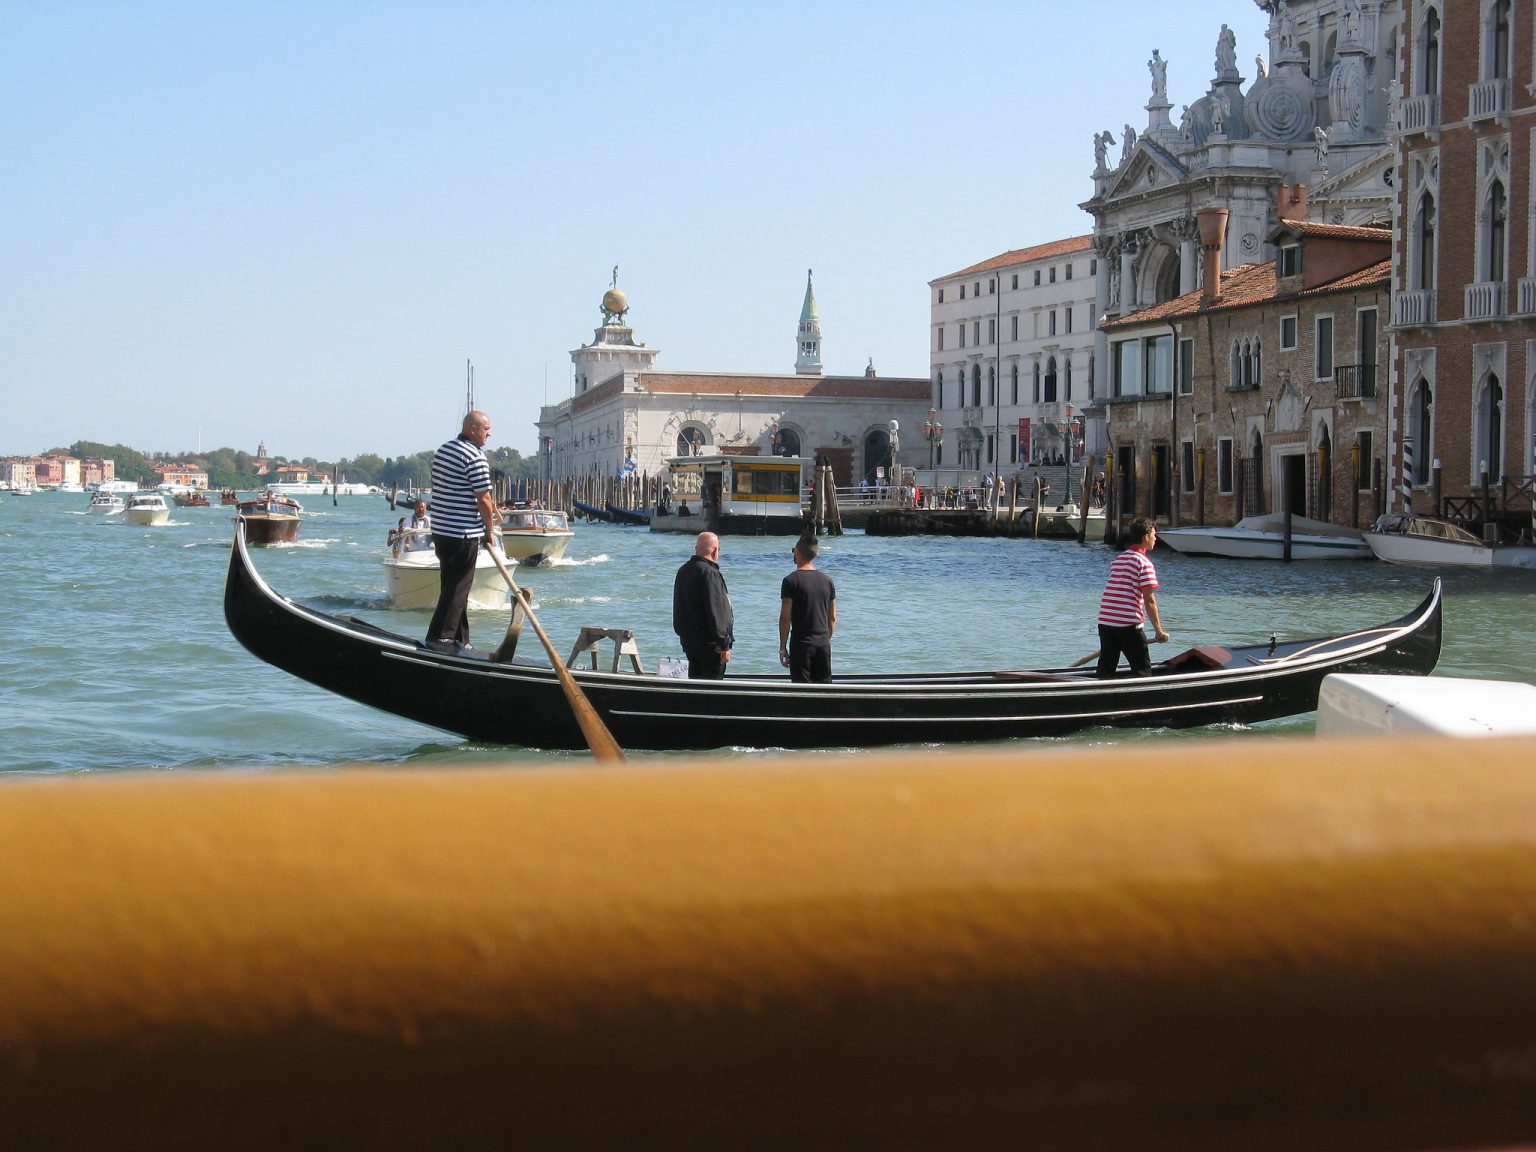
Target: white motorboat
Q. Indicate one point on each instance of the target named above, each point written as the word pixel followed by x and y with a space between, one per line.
pixel 1403 538
pixel 411 570
pixel 147 508
pixel 106 503
pixel 534 535
pixel 1263 538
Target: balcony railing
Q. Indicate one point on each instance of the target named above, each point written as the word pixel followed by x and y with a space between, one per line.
pixel 1485 300
pixel 1414 308
pixel 1355 381
pixel 1526 288
pixel 1487 98
pixel 1421 113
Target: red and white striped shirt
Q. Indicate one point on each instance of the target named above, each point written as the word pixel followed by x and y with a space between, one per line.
pixel 1130 576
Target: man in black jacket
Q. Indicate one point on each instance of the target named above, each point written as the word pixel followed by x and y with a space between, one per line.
pixel 701 611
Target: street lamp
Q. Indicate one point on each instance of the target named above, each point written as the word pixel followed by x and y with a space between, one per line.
pixel 933 432
pixel 895 476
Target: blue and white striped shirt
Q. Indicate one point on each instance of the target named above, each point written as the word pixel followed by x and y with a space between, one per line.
pixel 459 472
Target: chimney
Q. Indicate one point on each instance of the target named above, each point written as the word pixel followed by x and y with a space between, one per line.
pixel 1213 226
pixel 1291 202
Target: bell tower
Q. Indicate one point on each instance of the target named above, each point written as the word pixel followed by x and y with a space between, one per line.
pixel 808 338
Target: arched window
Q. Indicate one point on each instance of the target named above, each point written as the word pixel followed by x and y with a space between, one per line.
pixel 1420 409
pixel 992 385
pixel 1490 432
pixel 1431 69
pixel 1066 379
pixel 1498 215
pixel 1425 279
pixel 691 442
pixel 789 443
pixel 976 385
pixel 1015 384
pixel 938 391
pixel 1237 367
pixel 1050 380
pixel 1037 382
pixel 1499 63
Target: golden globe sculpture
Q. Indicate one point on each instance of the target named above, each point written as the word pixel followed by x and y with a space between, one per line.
pixel 614 305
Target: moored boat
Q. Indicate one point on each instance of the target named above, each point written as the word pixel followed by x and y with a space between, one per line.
pixel 734 495
pixel 1403 538
pixel 147 508
pixel 270 519
pixel 521 701
pixel 1263 538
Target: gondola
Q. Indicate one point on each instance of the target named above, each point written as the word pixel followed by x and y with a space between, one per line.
pixel 520 701
pixel 641 516
pixel 592 511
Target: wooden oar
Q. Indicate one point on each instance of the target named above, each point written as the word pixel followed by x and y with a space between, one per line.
pixel 604 747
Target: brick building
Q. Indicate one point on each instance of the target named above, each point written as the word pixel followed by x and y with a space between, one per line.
pixel 1464 300
pixel 1263 395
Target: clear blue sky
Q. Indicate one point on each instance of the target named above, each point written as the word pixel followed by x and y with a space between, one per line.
pixel 225 221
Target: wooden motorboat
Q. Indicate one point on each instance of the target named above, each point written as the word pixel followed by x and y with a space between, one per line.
pixel 1263 538
pixel 147 508
pixel 270 519
pixel 521 701
pixel 1403 538
pixel 535 535
pixel 229 497
pixel 191 500
pixel 411 572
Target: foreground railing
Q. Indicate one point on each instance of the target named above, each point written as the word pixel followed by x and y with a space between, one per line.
pixel 1257 944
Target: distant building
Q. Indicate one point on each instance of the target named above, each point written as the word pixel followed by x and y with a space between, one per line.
pixel 1263 391
pixel 1464 304
pixel 626 418
pixel 1011 356
pixel 181 476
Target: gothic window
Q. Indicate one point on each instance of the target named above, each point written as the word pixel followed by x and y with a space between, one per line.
pixel 976 385
pixel 1015 384
pixel 1497 209
pixel 1490 432
pixel 1050 380
pixel 1498 64
pixel 1430 73
pixel 938 391
pixel 1236 367
pixel 1425 234
pixel 1420 410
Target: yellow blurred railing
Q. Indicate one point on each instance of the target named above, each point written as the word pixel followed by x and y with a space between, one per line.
pixel 1226 945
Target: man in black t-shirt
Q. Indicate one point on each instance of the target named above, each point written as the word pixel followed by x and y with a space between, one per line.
pixel 807 617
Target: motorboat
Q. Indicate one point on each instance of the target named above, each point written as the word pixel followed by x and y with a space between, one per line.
pixel 147 508
pixel 191 499
pixel 534 535
pixel 411 570
pixel 1403 538
pixel 104 503
pixel 270 519
pixel 1263 538
pixel 513 699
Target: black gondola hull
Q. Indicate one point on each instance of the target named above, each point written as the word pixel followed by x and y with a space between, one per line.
pixel 522 702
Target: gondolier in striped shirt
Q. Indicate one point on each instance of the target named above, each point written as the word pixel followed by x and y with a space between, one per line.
pixel 1130 598
pixel 463 519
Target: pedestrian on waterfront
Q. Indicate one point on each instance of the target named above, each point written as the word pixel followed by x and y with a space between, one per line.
pixel 987 484
pixel 465 521
pixel 807 617
pixel 701 611
pixel 1130 598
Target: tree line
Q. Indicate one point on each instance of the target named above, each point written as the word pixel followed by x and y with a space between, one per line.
pixel 231 468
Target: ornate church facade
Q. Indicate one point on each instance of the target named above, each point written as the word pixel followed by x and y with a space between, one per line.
pixel 627 417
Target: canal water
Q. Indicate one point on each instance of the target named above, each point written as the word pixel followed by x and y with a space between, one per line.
pixel 114 654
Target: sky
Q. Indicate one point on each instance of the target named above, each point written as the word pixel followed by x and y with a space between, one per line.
pixel 225 222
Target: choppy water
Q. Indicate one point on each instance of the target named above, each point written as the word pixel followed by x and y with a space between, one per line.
pixel 114 653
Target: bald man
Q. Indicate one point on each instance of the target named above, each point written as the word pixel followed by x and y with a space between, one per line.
pixel 463 519
pixel 701 611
